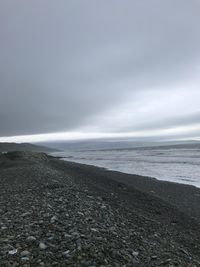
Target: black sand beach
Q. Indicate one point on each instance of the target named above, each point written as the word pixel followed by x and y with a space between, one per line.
pixel 56 213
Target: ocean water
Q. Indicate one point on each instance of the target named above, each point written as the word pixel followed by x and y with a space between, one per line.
pixel 181 165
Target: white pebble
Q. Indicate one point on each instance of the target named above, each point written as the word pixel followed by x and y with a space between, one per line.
pixel 12 252
pixel 42 246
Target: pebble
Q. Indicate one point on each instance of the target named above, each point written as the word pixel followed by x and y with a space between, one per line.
pixel 67 236
pixel 135 253
pixel 94 230
pixel 53 219
pixel 25 253
pixel 24 259
pixel 66 253
pixel 76 230
pixel 25 214
pixel 31 239
pixel 42 246
pixel 12 252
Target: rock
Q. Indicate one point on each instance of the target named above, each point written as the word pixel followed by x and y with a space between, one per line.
pixel 42 246
pixel 135 253
pixel 25 253
pixel 25 214
pixel 82 231
pixel 67 235
pixel 94 230
pixel 66 253
pixel 75 234
pixel 13 251
pixel 165 262
pixel 31 239
pixel 53 219
pixel 24 259
pixel 184 251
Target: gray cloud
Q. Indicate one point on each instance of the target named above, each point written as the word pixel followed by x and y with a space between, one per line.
pixel 63 63
pixel 175 121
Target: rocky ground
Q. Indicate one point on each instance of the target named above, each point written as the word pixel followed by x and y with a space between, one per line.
pixel 55 213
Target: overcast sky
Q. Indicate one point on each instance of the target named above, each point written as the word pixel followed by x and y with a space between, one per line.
pixel 74 68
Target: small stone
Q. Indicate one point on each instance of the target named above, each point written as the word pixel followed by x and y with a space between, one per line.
pixel 135 253
pixel 24 259
pixel 91 197
pixel 42 246
pixel 165 262
pixel 25 214
pixel 94 230
pixel 66 253
pixel 75 234
pixel 67 236
pixel 55 263
pixel 25 253
pixel 83 236
pixel 31 239
pixel 53 219
pixel 99 238
pixel 12 252
pixel 183 251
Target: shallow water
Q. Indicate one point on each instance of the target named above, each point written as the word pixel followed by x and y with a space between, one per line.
pixel 174 164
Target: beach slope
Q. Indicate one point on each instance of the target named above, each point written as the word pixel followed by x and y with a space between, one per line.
pixel 56 213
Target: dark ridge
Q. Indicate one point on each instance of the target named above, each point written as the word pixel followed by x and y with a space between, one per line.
pixel 8 147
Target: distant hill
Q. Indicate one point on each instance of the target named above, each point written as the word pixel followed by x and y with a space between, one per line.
pixel 176 146
pixel 8 147
pixel 111 144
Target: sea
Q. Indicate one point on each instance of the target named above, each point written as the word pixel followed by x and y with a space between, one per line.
pixel 174 164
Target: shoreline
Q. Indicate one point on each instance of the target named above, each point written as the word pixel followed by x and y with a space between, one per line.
pixel 59 213
pixel 179 180
pixel 182 196
pixel 126 173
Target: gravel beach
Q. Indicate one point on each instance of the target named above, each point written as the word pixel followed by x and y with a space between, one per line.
pixel 57 213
